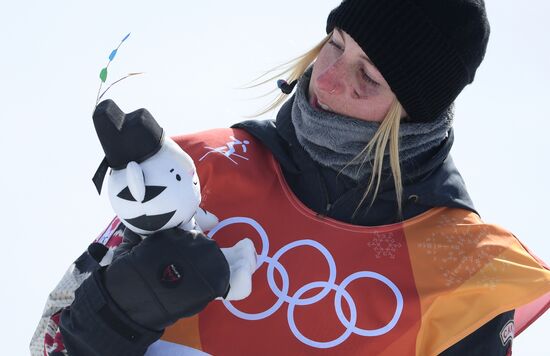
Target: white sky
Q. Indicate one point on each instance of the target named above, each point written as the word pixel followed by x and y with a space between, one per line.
pixel 195 53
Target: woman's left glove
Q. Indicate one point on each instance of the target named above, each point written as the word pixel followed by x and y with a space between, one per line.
pixel 170 275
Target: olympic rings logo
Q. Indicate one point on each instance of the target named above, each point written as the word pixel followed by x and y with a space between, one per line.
pixel 326 287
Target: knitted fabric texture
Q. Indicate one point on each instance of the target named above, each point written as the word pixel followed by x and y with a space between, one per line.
pixel 427 50
pixel 334 140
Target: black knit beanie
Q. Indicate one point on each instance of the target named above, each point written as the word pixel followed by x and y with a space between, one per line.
pixel 427 50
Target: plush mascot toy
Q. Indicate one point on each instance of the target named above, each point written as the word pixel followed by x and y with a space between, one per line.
pixel 153 185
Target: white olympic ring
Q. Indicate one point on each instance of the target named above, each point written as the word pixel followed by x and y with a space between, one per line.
pixel 282 294
pixel 368 274
pixel 307 301
pixel 268 312
pixel 319 344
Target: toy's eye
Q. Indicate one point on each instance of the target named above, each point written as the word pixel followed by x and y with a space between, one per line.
pixel 151 191
pixel 178 177
pixel 125 194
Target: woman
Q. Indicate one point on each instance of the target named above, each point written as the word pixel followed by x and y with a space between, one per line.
pixel 381 250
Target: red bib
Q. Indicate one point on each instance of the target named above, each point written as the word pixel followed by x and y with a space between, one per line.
pixel 328 287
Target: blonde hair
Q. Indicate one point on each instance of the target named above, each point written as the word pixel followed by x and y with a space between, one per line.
pixel 388 132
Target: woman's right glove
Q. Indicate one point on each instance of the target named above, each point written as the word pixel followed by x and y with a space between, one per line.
pixel 169 275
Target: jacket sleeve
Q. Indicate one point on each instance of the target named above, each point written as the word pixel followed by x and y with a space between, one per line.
pixel 61 330
pixel 492 339
pixel 93 325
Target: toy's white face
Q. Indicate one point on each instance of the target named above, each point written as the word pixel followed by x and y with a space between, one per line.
pixel 172 191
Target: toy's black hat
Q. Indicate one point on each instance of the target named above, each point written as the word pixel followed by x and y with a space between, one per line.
pixel 124 137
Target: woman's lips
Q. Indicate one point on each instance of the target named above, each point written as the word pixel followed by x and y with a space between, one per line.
pixel 313 101
pixel 323 106
pixel 316 104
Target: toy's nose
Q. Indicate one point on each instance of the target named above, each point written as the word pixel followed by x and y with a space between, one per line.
pixel 151 191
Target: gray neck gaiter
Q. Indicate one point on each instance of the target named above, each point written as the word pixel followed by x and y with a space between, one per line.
pixel 334 140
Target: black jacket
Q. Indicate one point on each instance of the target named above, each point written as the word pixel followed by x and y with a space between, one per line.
pixel 106 331
pixel 437 181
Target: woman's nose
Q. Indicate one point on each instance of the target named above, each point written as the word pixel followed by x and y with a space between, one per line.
pixel 332 79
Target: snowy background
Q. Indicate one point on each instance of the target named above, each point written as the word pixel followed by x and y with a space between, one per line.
pixel 195 54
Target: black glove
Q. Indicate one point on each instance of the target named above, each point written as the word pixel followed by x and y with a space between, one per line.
pixel 170 275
